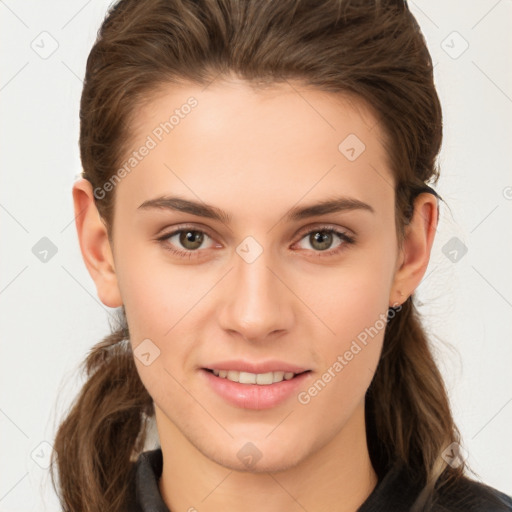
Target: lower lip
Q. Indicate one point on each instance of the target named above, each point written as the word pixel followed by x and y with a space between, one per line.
pixel 255 396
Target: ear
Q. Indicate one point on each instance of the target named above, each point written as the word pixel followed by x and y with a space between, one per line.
pixel 414 255
pixel 95 245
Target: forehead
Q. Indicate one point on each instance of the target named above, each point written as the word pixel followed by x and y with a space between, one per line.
pixel 254 148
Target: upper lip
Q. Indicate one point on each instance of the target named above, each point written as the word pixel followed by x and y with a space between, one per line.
pixel 253 367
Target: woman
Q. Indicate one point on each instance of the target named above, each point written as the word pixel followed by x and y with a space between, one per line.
pixel 254 199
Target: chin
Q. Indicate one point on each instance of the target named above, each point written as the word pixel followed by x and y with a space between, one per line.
pixel 263 466
pixel 246 456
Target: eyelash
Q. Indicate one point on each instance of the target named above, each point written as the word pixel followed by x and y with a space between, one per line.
pixel 346 239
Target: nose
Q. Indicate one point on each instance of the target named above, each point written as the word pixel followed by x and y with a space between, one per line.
pixel 258 304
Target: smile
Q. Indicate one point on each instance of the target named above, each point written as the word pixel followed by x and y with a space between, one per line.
pixel 249 390
pixel 263 379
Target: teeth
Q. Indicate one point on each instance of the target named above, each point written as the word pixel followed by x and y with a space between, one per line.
pixel 263 379
pixel 245 377
pixel 277 376
pixel 233 375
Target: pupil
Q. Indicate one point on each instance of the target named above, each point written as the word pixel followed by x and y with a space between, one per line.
pixel 324 239
pixel 191 239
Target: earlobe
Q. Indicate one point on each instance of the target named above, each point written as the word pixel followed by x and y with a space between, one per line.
pixel 417 245
pixel 95 245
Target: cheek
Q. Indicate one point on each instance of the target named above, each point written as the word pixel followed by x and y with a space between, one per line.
pixel 156 293
pixel 350 296
pixel 163 303
pixel 156 297
pixel 352 300
pixel 349 358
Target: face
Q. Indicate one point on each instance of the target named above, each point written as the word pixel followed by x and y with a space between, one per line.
pixel 239 272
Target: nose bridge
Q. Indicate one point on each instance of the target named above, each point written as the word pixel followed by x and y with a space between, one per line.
pixel 258 304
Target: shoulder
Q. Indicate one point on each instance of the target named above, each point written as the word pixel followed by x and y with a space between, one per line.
pixel 143 492
pixel 467 495
pixel 398 490
pixel 130 503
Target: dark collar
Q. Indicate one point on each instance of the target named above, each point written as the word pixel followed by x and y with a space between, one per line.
pixel 395 491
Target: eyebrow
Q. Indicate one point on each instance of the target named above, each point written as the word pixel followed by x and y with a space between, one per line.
pixel 335 205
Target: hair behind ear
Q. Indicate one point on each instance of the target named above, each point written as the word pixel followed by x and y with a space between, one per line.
pixel 409 416
pixel 105 429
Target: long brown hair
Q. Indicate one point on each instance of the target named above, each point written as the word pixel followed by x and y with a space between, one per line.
pixel 373 49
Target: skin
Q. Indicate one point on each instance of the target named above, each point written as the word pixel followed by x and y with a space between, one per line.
pixel 289 304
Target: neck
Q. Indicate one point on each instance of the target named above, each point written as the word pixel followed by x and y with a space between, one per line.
pixel 338 476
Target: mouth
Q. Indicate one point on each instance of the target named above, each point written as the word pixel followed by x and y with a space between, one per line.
pixel 262 379
pixel 257 391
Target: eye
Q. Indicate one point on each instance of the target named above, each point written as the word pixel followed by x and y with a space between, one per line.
pixel 321 240
pixel 185 241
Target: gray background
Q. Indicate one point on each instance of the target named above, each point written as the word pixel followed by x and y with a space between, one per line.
pixel 51 316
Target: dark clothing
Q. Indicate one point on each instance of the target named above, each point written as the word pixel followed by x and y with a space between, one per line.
pixel 394 492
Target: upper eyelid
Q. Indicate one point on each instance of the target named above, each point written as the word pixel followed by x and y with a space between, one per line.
pixel 324 227
pixel 301 232
pixel 179 229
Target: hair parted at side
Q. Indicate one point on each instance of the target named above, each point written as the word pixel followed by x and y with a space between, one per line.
pixel 373 50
